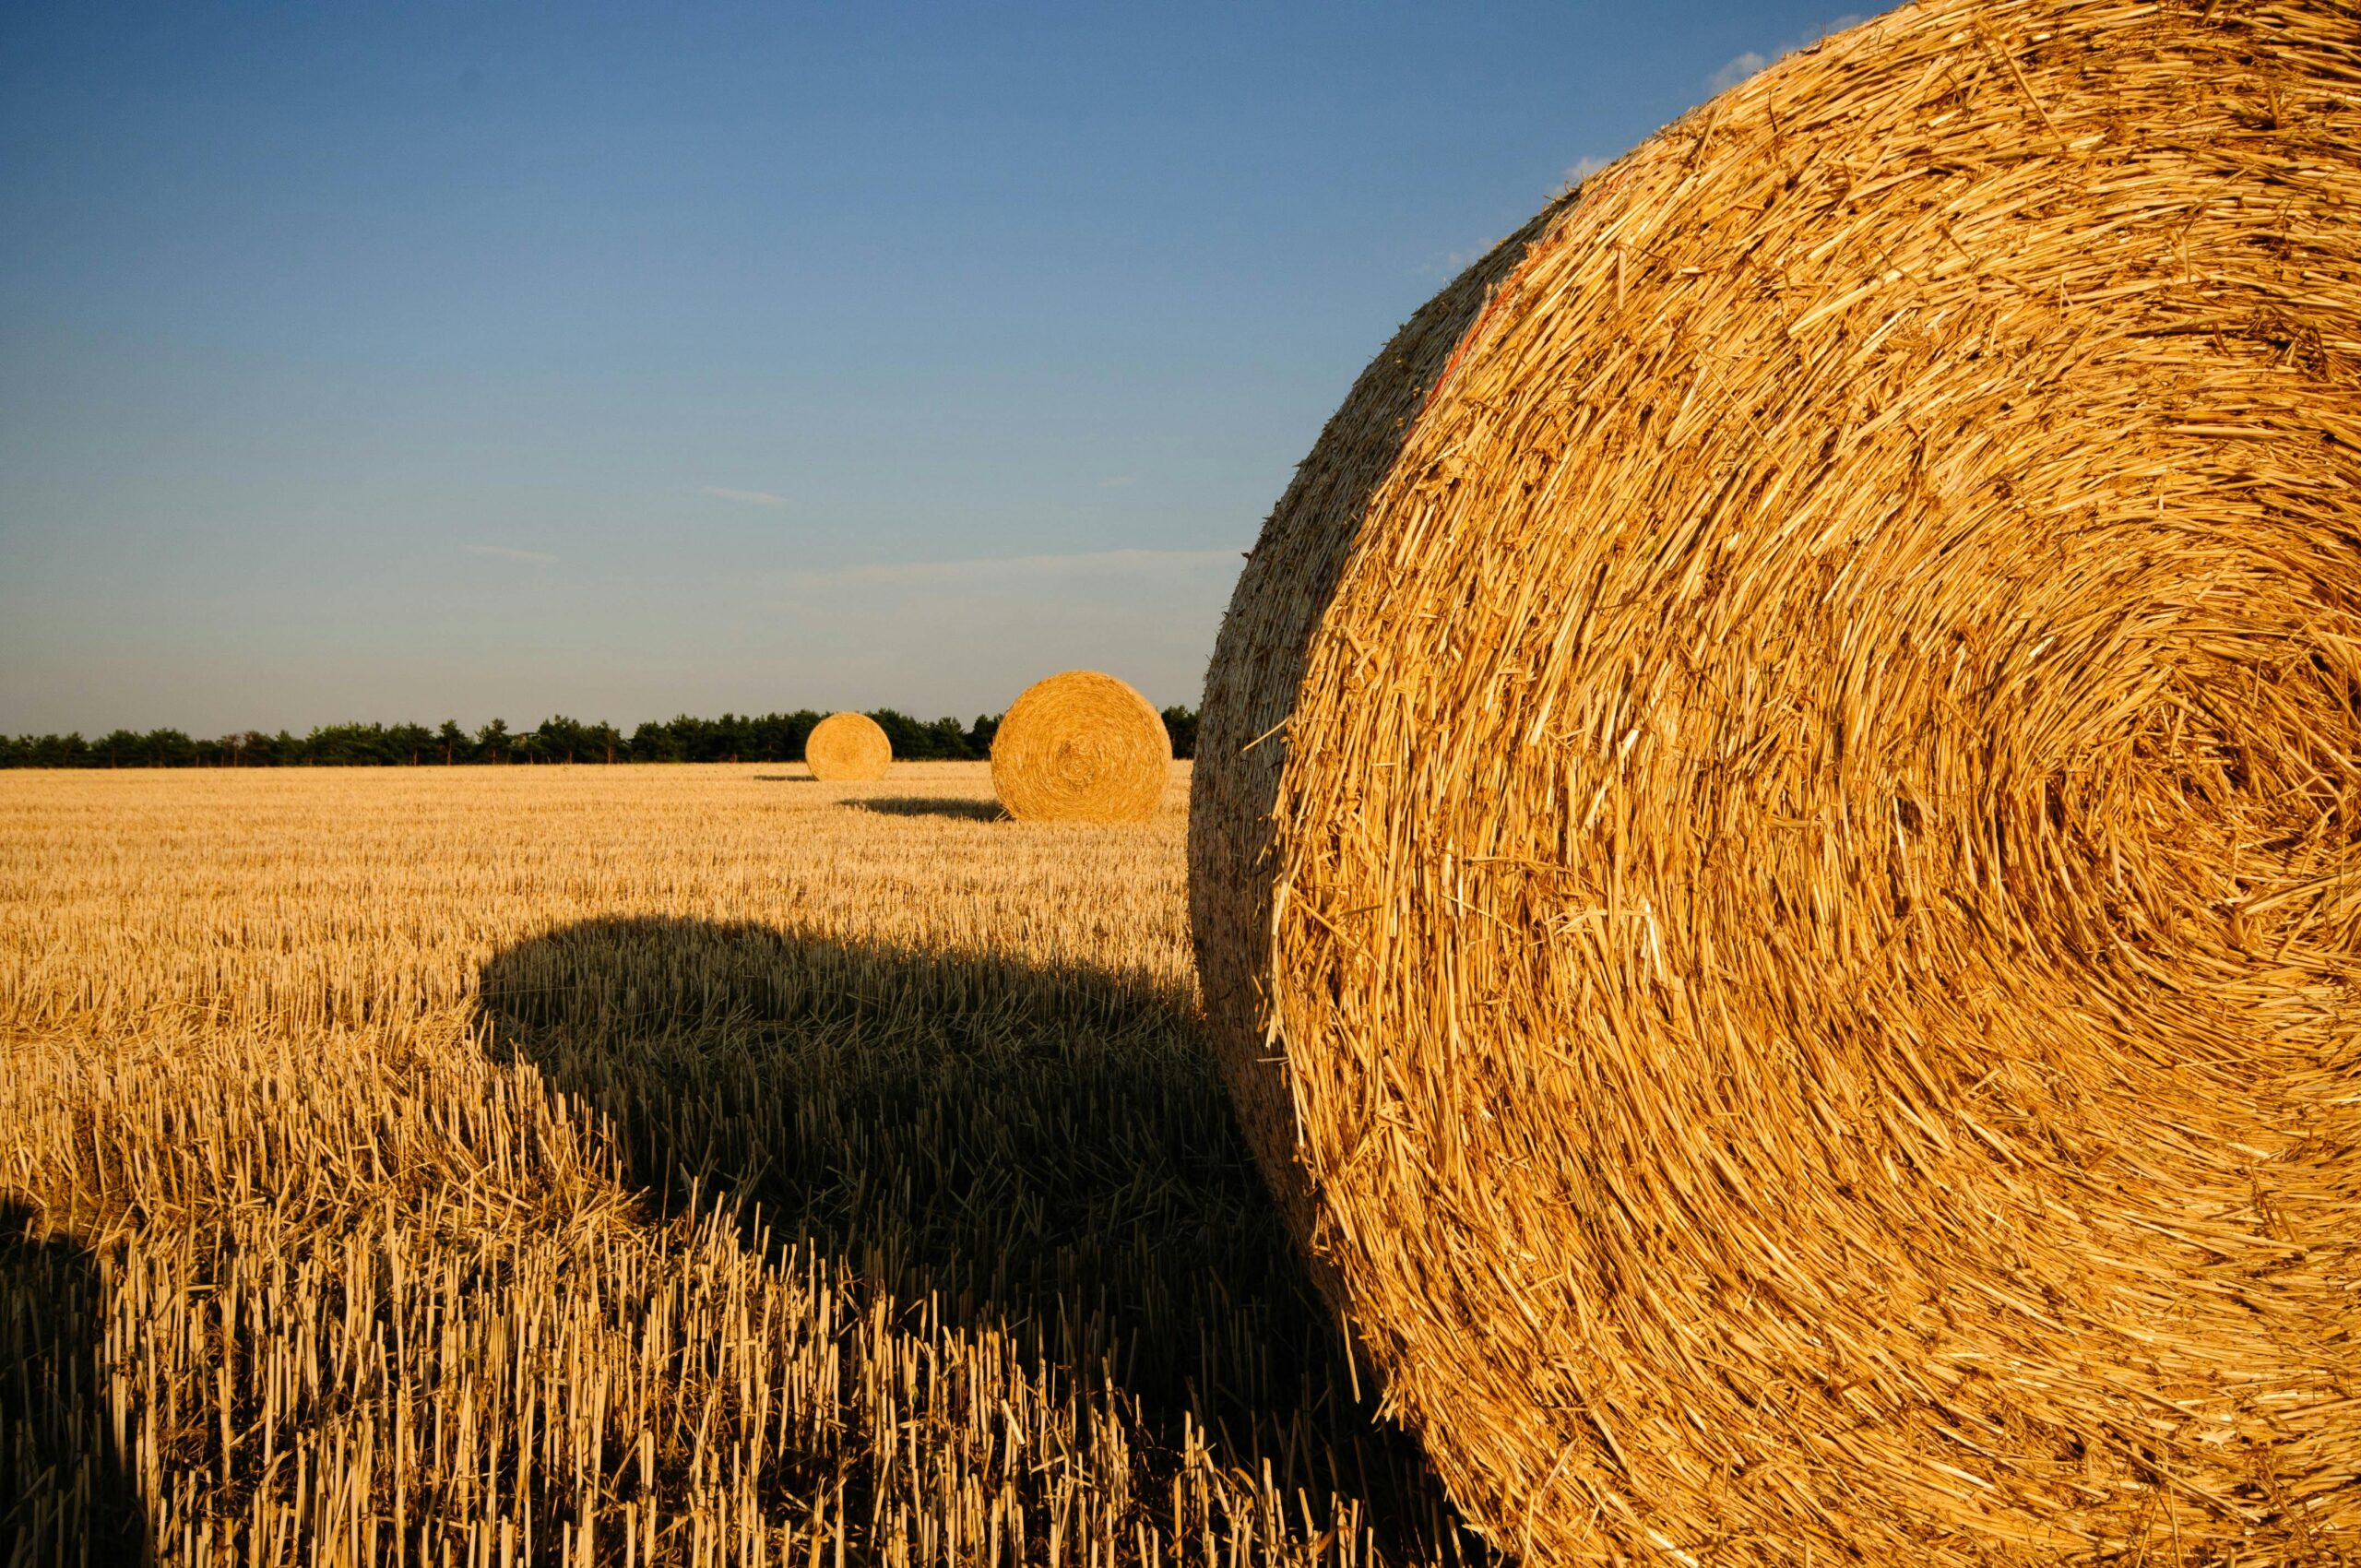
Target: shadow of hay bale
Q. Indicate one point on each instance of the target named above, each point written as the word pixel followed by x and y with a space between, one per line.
pixel 1046 1153
pixel 66 1494
pixel 922 805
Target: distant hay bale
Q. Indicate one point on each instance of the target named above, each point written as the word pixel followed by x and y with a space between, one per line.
pixel 848 748
pixel 1081 747
pixel 1773 837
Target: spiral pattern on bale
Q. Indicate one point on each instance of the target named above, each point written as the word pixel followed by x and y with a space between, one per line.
pixel 1081 747
pixel 1774 839
pixel 848 748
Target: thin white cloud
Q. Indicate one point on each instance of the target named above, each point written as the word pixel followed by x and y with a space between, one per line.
pixel 749 497
pixel 502 552
pixel 1098 563
pixel 1456 262
pixel 1737 68
pixel 1582 167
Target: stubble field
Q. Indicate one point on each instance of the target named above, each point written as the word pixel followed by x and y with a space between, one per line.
pixel 638 1165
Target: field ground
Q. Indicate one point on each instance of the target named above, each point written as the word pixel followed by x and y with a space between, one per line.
pixel 632 1165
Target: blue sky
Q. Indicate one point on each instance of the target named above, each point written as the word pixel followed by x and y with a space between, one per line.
pixel 413 362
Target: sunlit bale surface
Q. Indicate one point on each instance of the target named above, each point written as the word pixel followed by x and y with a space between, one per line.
pixel 848 748
pixel 1773 847
pixel 1081 747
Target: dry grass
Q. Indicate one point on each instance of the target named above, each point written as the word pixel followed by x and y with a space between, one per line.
pixel 630 1165
pixel 1784 784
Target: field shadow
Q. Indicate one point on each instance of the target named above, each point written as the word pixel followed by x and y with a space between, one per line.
pixel 785 778
pixel 66 1494
pixel 922 805
pixel 1048 1153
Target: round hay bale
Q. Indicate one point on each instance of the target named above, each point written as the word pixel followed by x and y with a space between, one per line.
pixel 848 748
pixel 1081 747
pixel 1773 839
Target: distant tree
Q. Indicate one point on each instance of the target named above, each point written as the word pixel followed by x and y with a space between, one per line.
pixel 799 725
pixel 689 738
pixel 911 741
pixel 409 741
pixel 768 737
pixel 1180 723
pixel 653 742
pixel 167 748
pixel 779 737
pixel 765 738
pixel 59 751
pixel 704 740
pixel 362 745
pixel 560 739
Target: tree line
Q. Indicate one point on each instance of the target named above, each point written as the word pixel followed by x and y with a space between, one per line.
pixel 770 737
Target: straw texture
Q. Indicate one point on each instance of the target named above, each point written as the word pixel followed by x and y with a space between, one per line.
pixel 848 748
pixel 1774 839
pixel 1081 747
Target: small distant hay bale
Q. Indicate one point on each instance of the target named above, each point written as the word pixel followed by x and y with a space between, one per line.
pixel 1776 837
pixel 848 748
pixel 1081 747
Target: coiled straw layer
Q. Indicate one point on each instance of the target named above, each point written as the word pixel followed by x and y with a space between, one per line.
pixel 1781 787
pixel 848 748
pixel 1081 747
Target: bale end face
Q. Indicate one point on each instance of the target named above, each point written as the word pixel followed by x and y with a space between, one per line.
pixel 1081 747
pixel 848 748
pixel 1783 785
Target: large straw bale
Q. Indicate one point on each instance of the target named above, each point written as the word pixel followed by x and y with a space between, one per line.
pixel 1774 839
pixel 1081 747
pixel 848 748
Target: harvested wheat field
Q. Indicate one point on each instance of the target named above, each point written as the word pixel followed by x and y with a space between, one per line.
pixel 1775 848
pixel 638 1165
